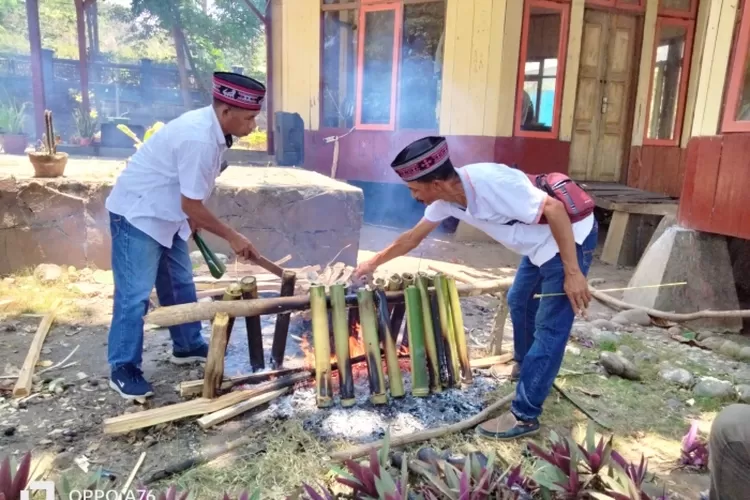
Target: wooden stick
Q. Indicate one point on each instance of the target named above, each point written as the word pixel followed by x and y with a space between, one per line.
pixel 212 419
pixel 560 294
pixel 25 377
pixel 132 474
pixel 170 413
pixel 491 361
pixel 418 437
pixel 203 311
pixel 676 317
pixel 281 329
pixel 283 260
pixel 252 326
pixel 269 266
pixel 195 387
pixel 217 348
pixel 498 324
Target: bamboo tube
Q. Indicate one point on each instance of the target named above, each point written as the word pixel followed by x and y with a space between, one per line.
pixel 395 380
pixel 233 292
pixel 429 335
pixel 321 346
pixel 281 329
pixel 380 284
pixel 341 340
pixel 446 328
pixel 445 375
pixel 458 330
pixel 420 379
pixel 396 283
pixel 252 324
pixel 369 327
pixel 408 280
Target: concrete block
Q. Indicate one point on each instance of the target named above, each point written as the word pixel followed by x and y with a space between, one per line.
pixel 700 259
pixel 628 236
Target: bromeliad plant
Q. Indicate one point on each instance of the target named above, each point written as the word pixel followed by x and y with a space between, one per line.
pixel 694 453
pixel 12 484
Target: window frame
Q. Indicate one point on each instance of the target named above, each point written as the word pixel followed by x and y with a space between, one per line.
pixel 738 61
pixel 615 4
pixel 689 26
pixel 562 49
pixel 398 9
pixel 682 14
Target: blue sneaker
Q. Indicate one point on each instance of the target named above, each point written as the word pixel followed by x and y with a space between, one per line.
pixel 129 383
pixel 197 355
pixel 507 427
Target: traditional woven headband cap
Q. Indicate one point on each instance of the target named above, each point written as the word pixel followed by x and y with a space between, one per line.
pixel 239 90
pixel 420 158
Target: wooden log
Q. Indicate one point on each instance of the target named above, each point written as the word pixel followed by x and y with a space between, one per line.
pixel 498 324
pixel 203 311
pixel 252 326
pixel 491 361
pixel 213 373
pixel 321 347
pixel 459 332
pixel 395 380
pixel 212 419
pixel 199 406
pixel 429 334
pixel 420 379
pixel 368 323
pixel 455 275
pixel 418 437
pixel 281 329
pixel 25 377
pixel 341 341
pixel 191 388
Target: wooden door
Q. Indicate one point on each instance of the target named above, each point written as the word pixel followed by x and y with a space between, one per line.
pixel 603 100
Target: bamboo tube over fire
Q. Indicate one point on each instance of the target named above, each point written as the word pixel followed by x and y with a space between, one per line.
pixel 409 280
pixel 429 334
pixel 446 327
pixel 460 333
pixel 249 287
pixel 396 283
pixel 321 346
pixel 341 340
pixel 395 380
pixel 442 349
pixel 233 292
pixel 281 330
pixel 369 326
pixel 420 379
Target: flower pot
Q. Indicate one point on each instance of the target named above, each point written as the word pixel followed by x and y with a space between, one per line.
pixel 46 165
pixel 84 142
pixel 14 144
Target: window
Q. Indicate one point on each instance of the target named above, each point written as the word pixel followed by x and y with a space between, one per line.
pixel 381 63
pixel 637 5
pixel 540 77
pixel 678 8
pixel 737 107
pixel 669 78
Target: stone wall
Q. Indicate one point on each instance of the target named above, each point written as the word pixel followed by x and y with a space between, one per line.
pixel 283 211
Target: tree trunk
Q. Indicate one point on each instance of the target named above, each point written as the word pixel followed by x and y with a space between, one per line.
pixel 37 80
pixel 82 56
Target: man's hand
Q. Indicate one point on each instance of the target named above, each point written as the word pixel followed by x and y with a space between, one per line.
pixel 243 248
pixel 577 290
pixel 365 269
pixel 193 226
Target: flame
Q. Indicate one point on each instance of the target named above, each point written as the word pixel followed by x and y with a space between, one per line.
pixel 356 347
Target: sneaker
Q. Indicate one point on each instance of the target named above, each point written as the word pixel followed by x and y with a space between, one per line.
pixel 507 427
pixel 129 383
pixel 197 355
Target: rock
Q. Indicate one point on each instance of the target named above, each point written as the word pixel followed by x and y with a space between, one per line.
pixel 48 273
pixel 711 387
pixel 604 324
pixel 713 343
pixel 730 349
pixel 45 442
pixel 9 431
pixel 646 357
pixel 104 277
pixel 674 404
pixel 626 352
pixel 86 289
pixel 64 460
pixel 743 392
pixel 572 350
pixel 679 376
pixel 706 334
pixel 618 365
pixel 604 337
pixel 744 354
pixel 632 316
pixel 742 375
pixel 222 258
pixel 196 258
pixel 675 330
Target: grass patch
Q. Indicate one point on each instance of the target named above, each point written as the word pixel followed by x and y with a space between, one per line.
pixel 24 293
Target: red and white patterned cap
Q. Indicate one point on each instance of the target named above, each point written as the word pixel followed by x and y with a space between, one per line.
pixel 421 157
pixel 238 90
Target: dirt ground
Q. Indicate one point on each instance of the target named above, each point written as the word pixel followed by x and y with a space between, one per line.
pixel 64 424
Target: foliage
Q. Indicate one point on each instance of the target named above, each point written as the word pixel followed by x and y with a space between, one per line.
pixel 11 117
pixel 87 123
pixel 256 141
pixel 12 484
pixel 694 451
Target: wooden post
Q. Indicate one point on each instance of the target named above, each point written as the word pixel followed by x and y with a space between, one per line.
pixel 458 329
pixel 341 339
pixel 369 326
pixel 281 330
pixel 420 379
pixel 429 334
pixel 213 374
pixel 252 324
pixel 233 292
pixel 321 346
pixel 395 380
pixel 498 324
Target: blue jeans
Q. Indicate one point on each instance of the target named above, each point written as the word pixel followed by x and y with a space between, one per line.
pixel 541 327
pixel 139 263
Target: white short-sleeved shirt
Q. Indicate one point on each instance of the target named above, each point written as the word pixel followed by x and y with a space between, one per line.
pixel 498 195
pixel 182 158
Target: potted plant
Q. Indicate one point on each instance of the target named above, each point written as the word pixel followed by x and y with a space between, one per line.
pixel 14 141
pixel 86 124
pixel 47 162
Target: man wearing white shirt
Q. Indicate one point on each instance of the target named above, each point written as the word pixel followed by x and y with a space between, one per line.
pixel 155 205
pixel 503 202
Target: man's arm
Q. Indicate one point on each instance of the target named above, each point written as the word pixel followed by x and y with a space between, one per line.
pixel 404 244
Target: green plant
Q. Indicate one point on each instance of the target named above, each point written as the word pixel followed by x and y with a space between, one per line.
pixel 475 481
pixel 137 142
pixel 11 117
pixel 48 144
pixel 86 123
pixel 12 484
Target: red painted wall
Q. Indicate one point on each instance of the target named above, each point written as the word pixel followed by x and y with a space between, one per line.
pixel 367 155
pixel 657 169
pixel 716 192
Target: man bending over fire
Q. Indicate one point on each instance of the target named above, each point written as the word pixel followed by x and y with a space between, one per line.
pixel 504 203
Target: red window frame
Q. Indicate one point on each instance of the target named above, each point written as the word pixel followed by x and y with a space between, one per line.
pixel 562 50
pixel 685 14
pixel 689 26
pixel 364 8
pixel 618 4
pixel 736 73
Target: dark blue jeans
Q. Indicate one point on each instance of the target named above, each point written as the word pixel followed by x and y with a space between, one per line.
pixel 139 263
pixel 541 327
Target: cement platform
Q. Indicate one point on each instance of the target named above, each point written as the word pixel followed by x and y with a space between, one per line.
pixel 281 210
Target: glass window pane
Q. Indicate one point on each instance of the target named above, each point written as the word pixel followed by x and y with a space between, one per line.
pixel 665 88
pixel 421 69
pixel 676 5
pixel 541 69
pixel 378 67
pixel 742 113
pixel 339 68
